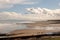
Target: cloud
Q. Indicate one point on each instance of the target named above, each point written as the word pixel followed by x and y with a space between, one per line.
pixel 15 1
pixel 30 2
pixel 11 3
pixel 16 16
pixel 45 14
pixel 9 15
pixel 36 14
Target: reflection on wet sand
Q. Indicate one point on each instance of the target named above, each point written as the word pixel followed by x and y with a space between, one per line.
pixel 43 25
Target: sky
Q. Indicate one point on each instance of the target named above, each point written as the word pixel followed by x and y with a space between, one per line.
pixel 16 9
pixel 20 5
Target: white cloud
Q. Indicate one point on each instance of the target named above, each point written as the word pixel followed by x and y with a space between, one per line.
pixel 8 15
pixel 36 14
pixel 30 2
pixel 10 3
pixel 44 13
pixel 16 16
pixel 15 1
